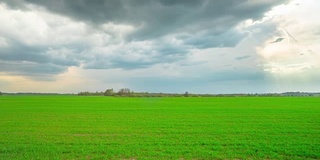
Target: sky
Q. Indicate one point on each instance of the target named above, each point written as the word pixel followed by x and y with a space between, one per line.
pixel 174 46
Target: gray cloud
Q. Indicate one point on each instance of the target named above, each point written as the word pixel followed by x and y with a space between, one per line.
pixel 278 40
pixel 194 24
pixel 157 17
pixel 18 51
pixel 19 58
pixel 134 56
pixel 242 57
pixel 213 40
pixel 214 16
pixel 31 69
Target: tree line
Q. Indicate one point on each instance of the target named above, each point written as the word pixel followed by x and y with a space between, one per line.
pixel 126 92
pixel 108 92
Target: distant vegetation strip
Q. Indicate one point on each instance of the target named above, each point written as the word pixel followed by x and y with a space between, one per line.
pixel 126 92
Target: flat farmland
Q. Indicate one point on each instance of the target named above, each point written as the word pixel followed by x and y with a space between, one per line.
pixel 74 127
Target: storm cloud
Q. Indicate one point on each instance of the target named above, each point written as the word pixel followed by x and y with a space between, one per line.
pixel 102 34
pixel 213 40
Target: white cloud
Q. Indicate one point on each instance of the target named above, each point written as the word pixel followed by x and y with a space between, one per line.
pixel 26 26
pixel 299 50
pixel 36 26
pixel 292 64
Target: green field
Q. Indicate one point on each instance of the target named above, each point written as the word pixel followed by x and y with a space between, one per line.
pixel 74 127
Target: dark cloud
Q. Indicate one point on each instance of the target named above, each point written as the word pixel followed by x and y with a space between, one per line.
pixel 196 24
pixel 277 40
pixel 214 16
pixel 159 17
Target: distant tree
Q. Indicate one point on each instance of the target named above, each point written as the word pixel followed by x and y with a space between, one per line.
pixel 186 94
pixel 86 93
pixel 0 93
pixel 109 92
pixel 124 91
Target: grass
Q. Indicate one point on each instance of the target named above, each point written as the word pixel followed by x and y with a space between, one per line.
pixel 71 127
